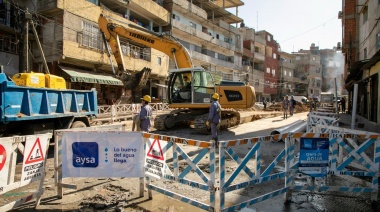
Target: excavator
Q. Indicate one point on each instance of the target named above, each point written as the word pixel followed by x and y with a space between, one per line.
pixel 190 99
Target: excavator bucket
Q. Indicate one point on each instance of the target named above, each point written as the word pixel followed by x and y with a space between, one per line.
pixel 137 81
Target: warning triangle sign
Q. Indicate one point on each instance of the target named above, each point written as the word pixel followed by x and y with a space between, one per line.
pixel 156 152
pixel 36 154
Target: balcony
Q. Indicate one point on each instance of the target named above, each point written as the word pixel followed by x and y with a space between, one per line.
pixel 184 4
pixel 259 56
pixel 286 64
pixel 49 6
pixel 201 35
pixel 141 10
pixel 247 53
pixel 208 59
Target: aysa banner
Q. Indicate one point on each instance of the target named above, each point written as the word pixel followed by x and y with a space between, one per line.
pixel 102 154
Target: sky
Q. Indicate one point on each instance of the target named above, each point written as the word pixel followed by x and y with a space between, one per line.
pixel 295 24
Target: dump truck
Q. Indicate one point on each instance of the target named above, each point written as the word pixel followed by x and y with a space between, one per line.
pixel 27 110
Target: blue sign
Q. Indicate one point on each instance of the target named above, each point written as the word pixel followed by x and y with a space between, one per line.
pixel 314 156
pixel 85 154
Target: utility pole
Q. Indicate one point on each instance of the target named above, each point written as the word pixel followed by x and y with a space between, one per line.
pixel 29 20
pixel 26 44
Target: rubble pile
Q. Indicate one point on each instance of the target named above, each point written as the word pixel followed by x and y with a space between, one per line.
pixel 301 108
pixel 274 107
pixel 108 197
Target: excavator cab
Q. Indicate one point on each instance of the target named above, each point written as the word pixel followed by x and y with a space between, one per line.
pixel 190 87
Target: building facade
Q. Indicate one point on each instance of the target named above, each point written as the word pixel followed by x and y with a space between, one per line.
pixel 270 66
pixel 286 80
pixel 361 46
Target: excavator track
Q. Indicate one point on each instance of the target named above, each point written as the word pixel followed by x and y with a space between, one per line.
pixel 176 117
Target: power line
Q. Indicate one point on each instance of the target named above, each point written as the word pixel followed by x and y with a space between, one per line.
pixel 308 30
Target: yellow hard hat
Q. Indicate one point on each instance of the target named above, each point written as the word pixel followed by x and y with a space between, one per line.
pixel 215 96
pixel 146 98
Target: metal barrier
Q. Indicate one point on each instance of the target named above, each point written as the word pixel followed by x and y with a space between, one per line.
pixel 174 174
pixel 321 119
pixel 188 154
pixel 34 149
pixel 112 113
pixel 286 158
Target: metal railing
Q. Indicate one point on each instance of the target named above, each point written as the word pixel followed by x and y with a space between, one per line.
pixel 112 113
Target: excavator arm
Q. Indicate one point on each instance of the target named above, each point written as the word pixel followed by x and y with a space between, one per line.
pixel 164 43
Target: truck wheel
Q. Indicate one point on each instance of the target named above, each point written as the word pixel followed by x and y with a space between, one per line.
pixel 78 124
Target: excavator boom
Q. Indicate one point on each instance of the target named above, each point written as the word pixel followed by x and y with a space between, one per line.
pixel 167 45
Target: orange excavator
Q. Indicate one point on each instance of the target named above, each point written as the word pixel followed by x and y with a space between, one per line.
pixel 189 88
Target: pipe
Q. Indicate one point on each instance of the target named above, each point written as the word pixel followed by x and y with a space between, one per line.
pixel 289 128
pixel 299 128
pixel 353 112
pixel 286 128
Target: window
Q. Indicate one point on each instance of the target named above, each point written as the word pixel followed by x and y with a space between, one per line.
pixel 284 73
pixel 91 36
pixel 272 85
pixel 217 36
pixel 268 70
pixel 159 60
pixel 290 73
pixel 216 55
pixel 365 53
pixel 273 72
pixel 365 14
pixel 298 58
pixel 227 39
pixel 313 58
pixel 274 56
pixel 257 82
pixel 193 25
pixel 192 47
pixel 176 17
pixel 268 38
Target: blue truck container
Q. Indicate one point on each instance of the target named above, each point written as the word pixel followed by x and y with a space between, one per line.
pixel 27 110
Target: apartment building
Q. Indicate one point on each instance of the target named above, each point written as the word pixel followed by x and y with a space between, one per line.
pixel 308 67
pixel 259 66
pixel 253 60
pixel 204 28
pixel 361 46
pixel 73 46
pixel 270 66
pixel 286 80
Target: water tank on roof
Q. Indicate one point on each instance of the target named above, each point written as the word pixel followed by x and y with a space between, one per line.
pixel 242 24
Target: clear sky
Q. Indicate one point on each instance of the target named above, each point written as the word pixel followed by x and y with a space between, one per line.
pixel 295 24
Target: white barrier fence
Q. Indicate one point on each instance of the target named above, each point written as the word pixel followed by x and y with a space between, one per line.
pixel 176 167
pixel 33 149
pixel 112 113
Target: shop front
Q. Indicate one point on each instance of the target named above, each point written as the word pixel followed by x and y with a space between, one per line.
pixel 108 87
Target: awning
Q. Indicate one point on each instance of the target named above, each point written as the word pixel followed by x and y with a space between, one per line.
pixel 77 75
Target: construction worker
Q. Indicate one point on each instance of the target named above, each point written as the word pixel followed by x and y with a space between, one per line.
pixel 214 117
pixel 285 106
pixel 145 114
